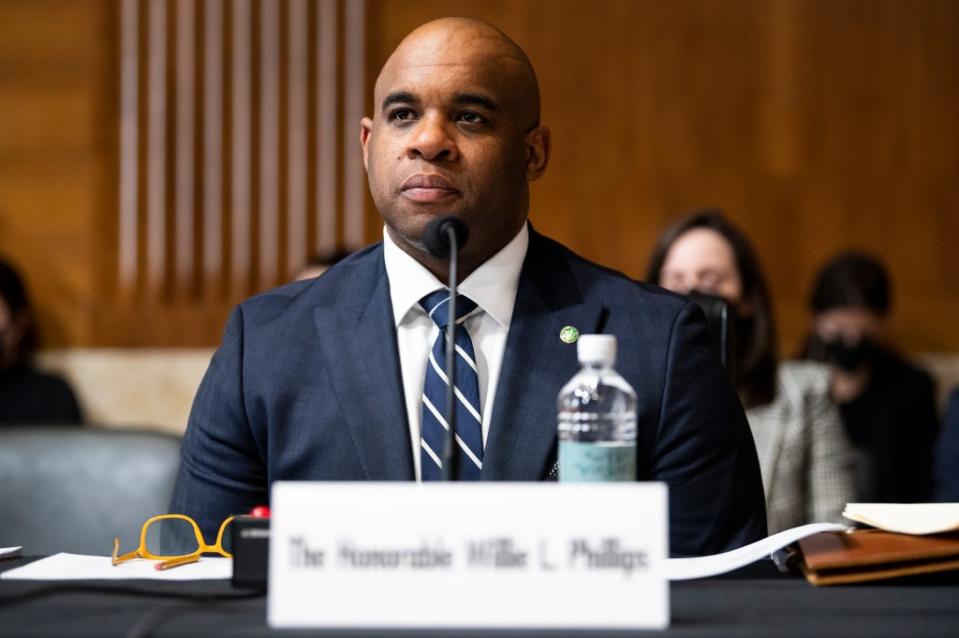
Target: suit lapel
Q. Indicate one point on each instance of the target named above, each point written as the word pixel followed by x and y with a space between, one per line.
pixel 536 364
pixel 357 339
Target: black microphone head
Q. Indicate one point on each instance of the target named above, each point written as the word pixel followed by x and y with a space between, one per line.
pixel 436 236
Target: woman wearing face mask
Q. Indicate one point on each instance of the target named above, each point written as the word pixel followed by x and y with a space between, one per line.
pixel 803 455
pixel 27 396
pixel 888 406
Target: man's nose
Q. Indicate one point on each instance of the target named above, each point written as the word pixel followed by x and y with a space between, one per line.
pixel 432 141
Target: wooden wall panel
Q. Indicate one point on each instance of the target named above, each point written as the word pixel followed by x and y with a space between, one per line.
pixel 143 210
pixel 52 169
pixel 161 160
pixel 217 189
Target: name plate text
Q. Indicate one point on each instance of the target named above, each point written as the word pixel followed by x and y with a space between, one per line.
pixel 468 555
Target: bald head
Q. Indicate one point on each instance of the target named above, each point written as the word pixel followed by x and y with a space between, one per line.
pixel 472 44
pixel 455 131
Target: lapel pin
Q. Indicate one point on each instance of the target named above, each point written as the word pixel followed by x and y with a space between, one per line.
pixel 569 334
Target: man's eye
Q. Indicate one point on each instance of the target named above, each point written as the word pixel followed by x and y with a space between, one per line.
pixel 402 115
pixel 469 117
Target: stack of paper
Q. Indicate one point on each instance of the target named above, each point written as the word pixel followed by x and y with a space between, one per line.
pixel 906 518
pixel 705 566
pixel 10 552
pixel 80 567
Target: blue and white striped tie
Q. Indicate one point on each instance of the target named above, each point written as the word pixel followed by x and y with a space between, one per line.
pixel 469 423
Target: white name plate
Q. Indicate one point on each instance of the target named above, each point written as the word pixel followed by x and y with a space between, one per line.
pixel 468 555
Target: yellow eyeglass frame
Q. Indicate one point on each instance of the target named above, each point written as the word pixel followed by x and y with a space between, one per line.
pixel 175 560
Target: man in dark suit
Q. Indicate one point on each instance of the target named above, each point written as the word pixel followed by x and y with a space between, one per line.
pixel 321 380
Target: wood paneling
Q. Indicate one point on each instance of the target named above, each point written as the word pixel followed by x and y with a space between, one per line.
pixel 220 203
pixel 143 209
pixel 53 172
pixel 161 160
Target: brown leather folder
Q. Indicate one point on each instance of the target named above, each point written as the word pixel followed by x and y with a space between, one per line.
pixel 832 558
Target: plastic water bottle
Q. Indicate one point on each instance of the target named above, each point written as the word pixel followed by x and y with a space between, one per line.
pixel 597 417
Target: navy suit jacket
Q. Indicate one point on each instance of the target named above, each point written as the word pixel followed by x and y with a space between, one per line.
pixel 307 386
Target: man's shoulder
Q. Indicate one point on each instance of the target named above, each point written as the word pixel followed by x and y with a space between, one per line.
pixel 317 290
pixel 341 284
pixel 610 286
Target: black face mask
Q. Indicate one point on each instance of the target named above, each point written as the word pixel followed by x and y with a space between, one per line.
pixel 849 357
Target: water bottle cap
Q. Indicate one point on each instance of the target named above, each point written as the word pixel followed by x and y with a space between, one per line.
pixel 596 349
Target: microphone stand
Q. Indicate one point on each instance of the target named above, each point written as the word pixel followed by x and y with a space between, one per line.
pixel 451 465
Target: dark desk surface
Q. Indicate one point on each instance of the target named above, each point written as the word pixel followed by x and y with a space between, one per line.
pixel 755 601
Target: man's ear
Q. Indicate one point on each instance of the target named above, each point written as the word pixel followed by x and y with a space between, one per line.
pixel 366 129
pixel 538 142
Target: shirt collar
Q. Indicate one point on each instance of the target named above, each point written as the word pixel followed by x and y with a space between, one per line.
pixel 492 286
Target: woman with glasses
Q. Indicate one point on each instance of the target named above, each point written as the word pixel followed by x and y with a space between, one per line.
pixel 803 454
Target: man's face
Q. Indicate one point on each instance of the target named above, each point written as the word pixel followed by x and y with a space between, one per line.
pixel 450 135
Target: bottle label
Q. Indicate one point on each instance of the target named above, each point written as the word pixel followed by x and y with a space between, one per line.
pixel 590 462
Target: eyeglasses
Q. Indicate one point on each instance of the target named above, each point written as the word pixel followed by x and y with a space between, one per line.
pixel 174 539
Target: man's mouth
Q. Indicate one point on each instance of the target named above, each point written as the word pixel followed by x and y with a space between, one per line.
pixel 428 188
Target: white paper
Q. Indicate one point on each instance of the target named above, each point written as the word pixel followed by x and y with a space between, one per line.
pixel 705 566
pixel 79 567
pixel 468 555
pixel 10 552
pixel 906 518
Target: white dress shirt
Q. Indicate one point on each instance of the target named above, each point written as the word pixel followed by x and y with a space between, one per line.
pixel 492 286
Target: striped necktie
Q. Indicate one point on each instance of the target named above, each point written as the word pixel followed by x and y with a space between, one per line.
pixel 469 423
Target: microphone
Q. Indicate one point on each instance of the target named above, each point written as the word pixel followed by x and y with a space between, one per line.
pixel 441 232
pixel 443 237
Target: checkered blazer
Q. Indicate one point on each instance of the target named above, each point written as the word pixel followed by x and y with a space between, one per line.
pixel 805 458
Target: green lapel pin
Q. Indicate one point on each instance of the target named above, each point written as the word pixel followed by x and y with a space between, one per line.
pixel 569 334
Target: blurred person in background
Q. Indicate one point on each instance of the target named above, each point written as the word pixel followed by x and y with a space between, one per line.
pixel 947 453
pixel 803 454
pixel 27 396
pixel 888 406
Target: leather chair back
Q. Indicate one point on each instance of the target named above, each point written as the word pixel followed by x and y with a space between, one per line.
pixel 69 489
